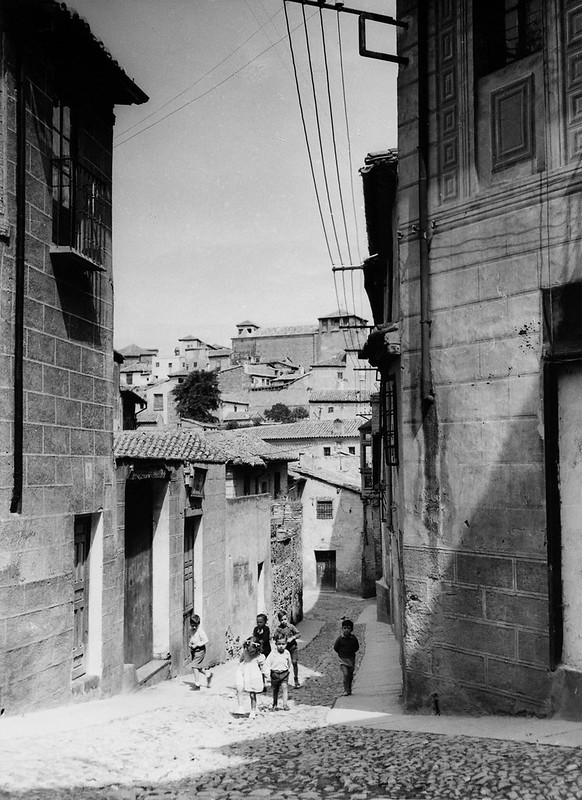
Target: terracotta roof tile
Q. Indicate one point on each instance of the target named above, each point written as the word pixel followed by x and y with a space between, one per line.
pixel 340 396
pixel 310 429
pixel 178 445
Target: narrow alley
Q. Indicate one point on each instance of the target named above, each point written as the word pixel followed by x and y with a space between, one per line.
pixel 167 741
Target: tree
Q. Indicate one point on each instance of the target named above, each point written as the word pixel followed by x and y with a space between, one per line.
pixel 198 396
pixel 280 412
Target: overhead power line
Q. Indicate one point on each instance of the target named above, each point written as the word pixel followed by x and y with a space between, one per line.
pixel 207 92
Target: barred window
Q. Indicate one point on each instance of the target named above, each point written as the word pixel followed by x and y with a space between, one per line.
pixel 324 509
pixel 389 423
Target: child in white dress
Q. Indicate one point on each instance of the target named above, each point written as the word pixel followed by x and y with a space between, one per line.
pixel 249 675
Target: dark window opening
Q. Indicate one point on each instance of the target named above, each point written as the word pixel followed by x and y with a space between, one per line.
pixel 327 451
pixel 81 198
pixel 389 422
pixel 158 402
pixel 505 31
pixel 324 509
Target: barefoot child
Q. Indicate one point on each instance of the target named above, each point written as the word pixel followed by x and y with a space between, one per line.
pixel 198 641
pixel 346 646
pixel 278 665
pixel 290 633
pixel 249 676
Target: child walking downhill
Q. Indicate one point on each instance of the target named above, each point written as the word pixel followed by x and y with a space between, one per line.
pixel 278 666
pixel 198 641
pixel 346 646
pixel 285 630
pixel 249 674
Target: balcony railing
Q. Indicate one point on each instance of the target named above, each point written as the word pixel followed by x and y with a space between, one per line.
pixel 81 214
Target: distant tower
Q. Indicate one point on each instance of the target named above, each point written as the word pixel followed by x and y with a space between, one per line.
pixel 246 328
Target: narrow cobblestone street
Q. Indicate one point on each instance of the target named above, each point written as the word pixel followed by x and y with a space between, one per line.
pixel 169 742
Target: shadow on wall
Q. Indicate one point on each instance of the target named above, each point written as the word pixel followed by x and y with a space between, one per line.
pixel 476 585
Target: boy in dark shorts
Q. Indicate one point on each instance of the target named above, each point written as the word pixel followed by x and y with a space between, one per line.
pixel 346 646
pixel 287 631
pixel 278 666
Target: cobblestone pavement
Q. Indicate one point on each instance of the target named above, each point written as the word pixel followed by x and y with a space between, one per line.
pixel 194 747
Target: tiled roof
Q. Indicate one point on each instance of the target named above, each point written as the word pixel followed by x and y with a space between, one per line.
pixel 237 416
pixel 339 312
pixel 338 360
pixel 246 322
pixel 176 445
pixel 346 479
pixel 79 38
pixel 244 447
pixel 291 330
pixel 179 373
pixel 309 429
pixel 219 352
pixel 135 350
pixel 340 396
pixel 148 417
pixel 135 366
pixel 234 398
pixel 260 370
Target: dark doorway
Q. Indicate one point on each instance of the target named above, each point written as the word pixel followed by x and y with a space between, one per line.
pixel 191 526
pixel 138 628
pixel 325 570
pixel 81 594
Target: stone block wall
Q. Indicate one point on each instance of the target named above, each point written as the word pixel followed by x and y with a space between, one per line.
pixel 472 478
pixel 287 558
pixel 68 410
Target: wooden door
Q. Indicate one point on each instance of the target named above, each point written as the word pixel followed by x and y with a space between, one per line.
pixel 81 594
pixel 138 628
pixel 325 569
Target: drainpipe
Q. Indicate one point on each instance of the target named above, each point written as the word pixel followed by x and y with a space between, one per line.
pixel 427 394
pixel 16 501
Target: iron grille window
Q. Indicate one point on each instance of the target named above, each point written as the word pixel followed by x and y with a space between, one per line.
pixel 389 422
pixel 324 509
pixel 81 199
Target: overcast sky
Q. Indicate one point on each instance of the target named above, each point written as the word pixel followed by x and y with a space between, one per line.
pixel 215 214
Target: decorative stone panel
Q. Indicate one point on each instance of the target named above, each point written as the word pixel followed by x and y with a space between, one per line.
pixel 447 99
pixel 572 21
pixel 512 123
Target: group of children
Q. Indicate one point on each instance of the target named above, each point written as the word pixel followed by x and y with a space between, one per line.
pixel 259 660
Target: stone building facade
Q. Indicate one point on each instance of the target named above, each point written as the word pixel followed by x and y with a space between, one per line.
pixel 58 88
pixel 485 536
pixel 304 345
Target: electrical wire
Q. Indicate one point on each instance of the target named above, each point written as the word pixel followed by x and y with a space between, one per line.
pixel 303 122
pixel 196 82
pixel 337 169
pixel 350 158
pixel 318 124
pixel 208 91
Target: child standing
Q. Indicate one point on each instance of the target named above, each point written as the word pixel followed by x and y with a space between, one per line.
pixel 263 635
pixel 249 675
pixel 197 642
pixel 285 630
pixel 346 646
pixel 278 665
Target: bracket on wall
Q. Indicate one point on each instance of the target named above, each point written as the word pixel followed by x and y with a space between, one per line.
pixel 363 17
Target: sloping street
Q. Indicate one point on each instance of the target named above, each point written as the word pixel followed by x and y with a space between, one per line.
pixel 169 742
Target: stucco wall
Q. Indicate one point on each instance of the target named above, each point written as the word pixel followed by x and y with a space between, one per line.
pixel 248 526
pixel 342 534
